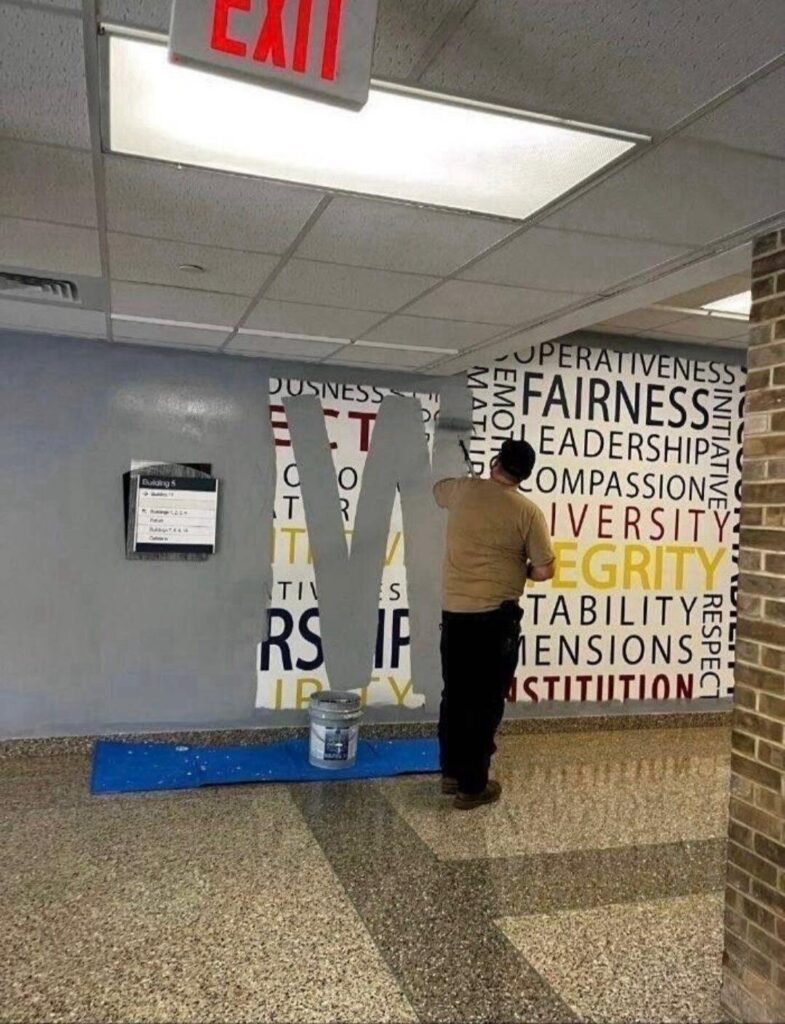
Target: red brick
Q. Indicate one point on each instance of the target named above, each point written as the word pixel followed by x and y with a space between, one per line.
pixel 774 707
pixel 759 916
pixel 764 244
pixel 769 400
pixel 766 632
pixel 778 331
pixel 745 651
pixel 747 956
pixel 755 818
pixel 758 335
pixel 766 944
pixel 768 896
pixel 772 657
pixel 764 494
pixel 741 834
pixel 752 864
pixel 772 851
pixel 750 606
pixel 771 755
pixel 739 879
pixel 774 563
pixel 745 698
pixel 767 540
pixel 757 379
pixel 768 265
pixel 778 375
pixel 760 678
pixel 759 773
pixel 755 725
pixel 767 309
pixel 764 351
pixel 752 515
pixel 771 802
pixel 763 287
pixel 751 560
pixel 764 444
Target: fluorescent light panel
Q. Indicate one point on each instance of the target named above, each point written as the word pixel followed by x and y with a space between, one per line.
pixel 739 303
pixel 402 145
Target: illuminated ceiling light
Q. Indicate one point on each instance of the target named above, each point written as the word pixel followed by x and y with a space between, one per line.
pixel 739 304
pixel 405 144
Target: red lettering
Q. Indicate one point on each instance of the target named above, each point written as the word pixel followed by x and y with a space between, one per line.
pixel 603 523
pixel 301 38
pixel 332 34
pixel 528 688
pixel 219 40
pixel 366 419
pixel 632 516
pixel 270 41
pixel 333 414
pixel 280 442
pixel 576 527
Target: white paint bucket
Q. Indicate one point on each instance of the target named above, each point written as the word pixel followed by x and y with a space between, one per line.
pixel 335 727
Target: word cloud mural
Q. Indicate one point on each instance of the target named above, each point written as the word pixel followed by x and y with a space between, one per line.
pixel 638 474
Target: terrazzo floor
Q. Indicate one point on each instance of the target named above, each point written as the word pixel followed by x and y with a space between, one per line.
pixel 592 892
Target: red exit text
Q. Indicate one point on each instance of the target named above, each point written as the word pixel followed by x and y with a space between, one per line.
pixel 265 39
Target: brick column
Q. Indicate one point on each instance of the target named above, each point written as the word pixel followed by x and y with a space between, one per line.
pixel 754 961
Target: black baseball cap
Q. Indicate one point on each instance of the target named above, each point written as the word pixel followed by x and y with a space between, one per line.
pixel 517 458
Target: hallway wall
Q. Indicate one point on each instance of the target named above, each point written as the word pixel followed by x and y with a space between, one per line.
pixel 90 641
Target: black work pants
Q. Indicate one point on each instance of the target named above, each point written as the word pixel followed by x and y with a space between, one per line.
pixel 479 656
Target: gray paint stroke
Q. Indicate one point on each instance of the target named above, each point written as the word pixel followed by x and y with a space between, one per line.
pixel 349 577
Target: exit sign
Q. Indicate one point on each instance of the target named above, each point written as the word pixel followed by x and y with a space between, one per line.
pixel 321 48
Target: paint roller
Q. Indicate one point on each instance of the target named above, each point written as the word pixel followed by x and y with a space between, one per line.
pixel 456 425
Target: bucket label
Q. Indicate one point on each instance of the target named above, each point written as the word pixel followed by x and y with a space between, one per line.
pixel 334 744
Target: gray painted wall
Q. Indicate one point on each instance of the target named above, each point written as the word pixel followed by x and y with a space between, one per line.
pixel 92 642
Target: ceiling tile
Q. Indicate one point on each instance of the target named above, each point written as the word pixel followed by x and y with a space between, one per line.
pixel 189 205
pixel 30 316
pixel 751 119
pixel 637 64
pixel 281 348
pixel 420 330
pixel 42 81
pixel 704 327
pixel 393 358
pixel 403 32
pixel 731 285
pixel 46 183
pixel 164 334
pixel 187 305
pixel 489 303
pixel 393 236
pixel 569 260
pixel 641 319
pixel 354 287
pixel 37 245
pixel 153 14
pixel 150 259
pixel 317 321
pixel 682 192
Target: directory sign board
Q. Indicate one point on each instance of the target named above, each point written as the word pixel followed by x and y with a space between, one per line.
pixel 175 515
pixel 320 48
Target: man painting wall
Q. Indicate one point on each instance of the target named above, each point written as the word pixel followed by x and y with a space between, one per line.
pixel 497 539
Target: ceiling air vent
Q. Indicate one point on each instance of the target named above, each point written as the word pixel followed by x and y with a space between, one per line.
pixel 43 289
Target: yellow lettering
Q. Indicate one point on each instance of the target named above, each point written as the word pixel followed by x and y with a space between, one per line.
pixel 608 568
pixel 400 697
pixel 301 698
pixel 711 565
pixel 278 693
pixel 680 552
pixel 396 540
pixel 636 562
pixel 293 532
pixel 562 549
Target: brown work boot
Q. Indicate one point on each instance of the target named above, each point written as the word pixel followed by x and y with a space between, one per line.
pixel 449 785
pixel 468 801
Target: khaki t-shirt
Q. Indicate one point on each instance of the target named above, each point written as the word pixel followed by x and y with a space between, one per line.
pixel 492 532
